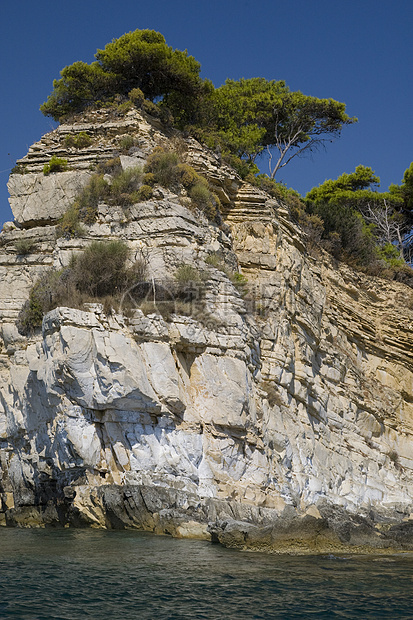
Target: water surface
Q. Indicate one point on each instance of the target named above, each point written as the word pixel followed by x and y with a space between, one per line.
pixel 107 575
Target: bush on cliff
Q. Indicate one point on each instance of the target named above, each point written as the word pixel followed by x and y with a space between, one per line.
pixel 80 140
pixel 56 164
pixel 166 169
pixel 99 273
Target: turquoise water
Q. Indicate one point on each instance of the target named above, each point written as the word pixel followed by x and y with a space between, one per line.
pixel 77 574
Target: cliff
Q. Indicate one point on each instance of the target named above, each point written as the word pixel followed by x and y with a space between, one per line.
pixel 281 419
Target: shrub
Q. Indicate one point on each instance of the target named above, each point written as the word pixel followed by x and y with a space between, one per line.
pixel 78 141
pixel 237 278
pixel 200 195
pixel 124 107
pixel 189 289
pixel 84 209
pixel 169 172
pixel 391 255
pixel 313 225
pixel 126 183
pixel 94 192
pixel 24 246
pixel 56 164
pixel 145 192
pixel 123 191
pixel 137 97
pixel 403 273
pixel 100 269
pixel 47 293
pixel 149 179
pixel 186 175
pixel 166 116
pixel 126 142
pixel 69 225
pixel 245 169
pixel 215 261
pixel 205 200
pixel 239 281
pixel 110 166
pixel 188 273
pixel 19 169
pixel 163 165
pixel 99 272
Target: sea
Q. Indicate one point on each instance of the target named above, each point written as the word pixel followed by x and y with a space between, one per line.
pixel 75 574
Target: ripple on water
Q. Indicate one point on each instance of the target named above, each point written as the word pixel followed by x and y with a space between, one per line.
pixel 76 574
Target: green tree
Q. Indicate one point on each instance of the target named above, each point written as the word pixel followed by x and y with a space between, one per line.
pixel 407 189
pixel 242 117
pixel 139 59
pixel 80 85
pixel 303 124
pixel 248 116
pixel 346 186
pixel 405 192
pixel 363 217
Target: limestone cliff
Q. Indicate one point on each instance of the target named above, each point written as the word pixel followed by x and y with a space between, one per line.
pixel 284 421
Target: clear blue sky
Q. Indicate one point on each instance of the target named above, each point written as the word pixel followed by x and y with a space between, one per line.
pixel 359 52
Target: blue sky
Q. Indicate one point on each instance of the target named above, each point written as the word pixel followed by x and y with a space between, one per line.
pixel 359 52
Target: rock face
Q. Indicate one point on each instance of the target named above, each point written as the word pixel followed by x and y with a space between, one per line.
pixel 282 419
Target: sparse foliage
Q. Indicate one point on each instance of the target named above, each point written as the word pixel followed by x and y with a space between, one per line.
pixel 24 246
pixel 56 164
pixel 80 140
pixel 99 273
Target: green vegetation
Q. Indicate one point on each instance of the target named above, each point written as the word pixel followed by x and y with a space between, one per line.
pixel 124 187
pixel 100 269
pixel 19 169
pixel 84 209
pixel 247 116
pixel 186 274
pixel 80 140
pixel 137 60
pixel 137 97
pixel 126 142
pixel 237 278
pixel 24 246
pixel 145 192
pixel 205 200
pixel 70 225
pixel 46 294
pixel 163 165
pixel 99 273
pixel 110 166
pixel 357 218
pixel 241 118
pixel 124 190
pixel 368 229
pixel 56 164
pixel 167 170
pixel 149 179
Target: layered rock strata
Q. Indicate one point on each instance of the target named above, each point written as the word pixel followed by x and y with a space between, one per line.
pixel 280 419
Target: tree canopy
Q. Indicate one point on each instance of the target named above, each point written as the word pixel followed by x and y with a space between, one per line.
pixel 245 117
pixel 242 117
pixel 139 59
pixel 364 218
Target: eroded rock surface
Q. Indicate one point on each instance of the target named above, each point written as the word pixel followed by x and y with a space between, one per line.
pixel 282 419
